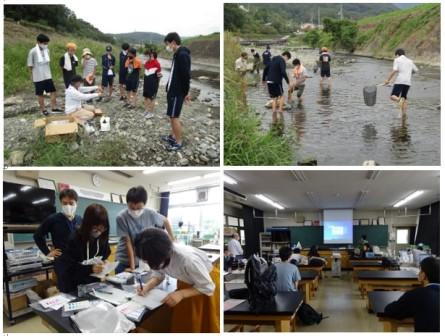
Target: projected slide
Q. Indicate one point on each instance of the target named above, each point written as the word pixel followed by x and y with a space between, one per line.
pixel 337 226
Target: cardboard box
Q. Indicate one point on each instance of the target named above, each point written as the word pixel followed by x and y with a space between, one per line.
pixel 18 302
pixel 57 128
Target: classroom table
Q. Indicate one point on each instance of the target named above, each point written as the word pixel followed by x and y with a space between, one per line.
pixel 389 280
pixel 212 248
pixel 378 300
pixel 282 313
pixel 54 319
pixel 369 265
pixel 319 269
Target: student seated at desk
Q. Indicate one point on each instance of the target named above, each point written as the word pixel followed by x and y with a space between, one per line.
pixel 287 273
pixel 234 245
pixel 366 250
pixel 298 257
pixel 423 303
pixel 196 302
pixel 228 259
pixel 90 240
pixel 314 257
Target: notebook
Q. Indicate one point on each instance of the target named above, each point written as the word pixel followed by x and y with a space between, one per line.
pixel 113 295
pixel 152 300
pixel 132 310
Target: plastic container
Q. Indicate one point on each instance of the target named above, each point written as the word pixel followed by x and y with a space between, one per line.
pixel 370 95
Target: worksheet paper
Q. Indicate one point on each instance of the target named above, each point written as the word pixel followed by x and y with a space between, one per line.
pixel 231 303
pixel 152 300
pixel 117 296
pixel 108 268
pixel 56 302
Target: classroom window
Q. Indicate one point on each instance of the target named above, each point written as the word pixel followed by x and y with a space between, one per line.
pixel 190 217
pixel 402 236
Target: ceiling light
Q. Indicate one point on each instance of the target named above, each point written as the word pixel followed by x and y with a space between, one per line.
pixel 269 201
pixel 310 196
pixel 9 196
pixel 408 198
pixel 362 194
pixel 211 175
pixel 150 171
pixel 299 175
pixel 186 180
pixel 42 200
pixel 372 174
pixel 25 188
pixel 229 180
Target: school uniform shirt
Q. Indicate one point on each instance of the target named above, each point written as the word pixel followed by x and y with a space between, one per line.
pixel 422 304
pixel 151 80
pixel 277 71
pixel 178 84
pixel 234 247
pixel 107 64
pixel 72 272
pixel 88 66
pixel 190 265
pixel 405 68
pixel 74 97
pixel 122 60
pixel 60 228
pixel 241 65
pixel 287 275
pixel 128 226
pixel 39 60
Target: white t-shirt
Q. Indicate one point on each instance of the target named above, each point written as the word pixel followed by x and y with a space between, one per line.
pixel 234 247
pixel 74 97
pixel 241 65
pixel 40 65
pixel 405 68
pixel 190 265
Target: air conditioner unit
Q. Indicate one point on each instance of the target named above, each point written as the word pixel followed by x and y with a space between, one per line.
pixel 28 174
pixel 203 195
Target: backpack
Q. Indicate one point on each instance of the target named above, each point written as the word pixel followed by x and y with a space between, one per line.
pixel 309 315
pixel 260 280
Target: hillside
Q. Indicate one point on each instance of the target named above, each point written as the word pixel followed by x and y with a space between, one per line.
pixel 416 29
pixel 139 37
pixel 204 46
pixel 285 18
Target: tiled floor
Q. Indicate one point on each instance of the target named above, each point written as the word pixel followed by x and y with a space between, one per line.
pixel 339 299
pixel 26 324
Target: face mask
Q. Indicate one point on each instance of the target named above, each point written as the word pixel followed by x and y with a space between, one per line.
pixel 135 213
pixel 69 210
pixel 95 234
pixel 125 52
pixel 168 48
pixel 43 46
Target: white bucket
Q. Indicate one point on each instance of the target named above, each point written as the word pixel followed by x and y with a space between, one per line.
pixel 105 124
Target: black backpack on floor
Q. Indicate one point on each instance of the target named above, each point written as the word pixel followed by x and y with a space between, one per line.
pixel 260 280
pixel 308 315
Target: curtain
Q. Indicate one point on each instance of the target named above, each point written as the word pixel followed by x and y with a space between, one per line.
pixel 252 226
pixel 165 200
pixel 428 230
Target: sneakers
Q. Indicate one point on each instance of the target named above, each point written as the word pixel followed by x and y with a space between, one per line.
pixel 45 113
pixel 56 110
pixel 99 99
pixel 169 139
pixel 148 115
pixel 175 147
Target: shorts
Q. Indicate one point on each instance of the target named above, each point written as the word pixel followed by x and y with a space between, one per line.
pixel 275 89
pixel 132 84
pixel 46 85
pixel 174 106
pixel 325 71
pixel 151 85
pixel 400 90
pixel 123 77
pixel 300 90
pixel 107 80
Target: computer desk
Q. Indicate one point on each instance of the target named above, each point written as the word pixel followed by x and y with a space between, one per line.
pixel 378 300
pixel 282 313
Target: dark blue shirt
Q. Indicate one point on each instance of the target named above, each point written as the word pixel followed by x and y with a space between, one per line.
pixel 108 63
pixel 267 57
pixel 277 70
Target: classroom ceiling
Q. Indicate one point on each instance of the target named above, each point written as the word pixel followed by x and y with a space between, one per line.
pixel 160 178
pixel 315 190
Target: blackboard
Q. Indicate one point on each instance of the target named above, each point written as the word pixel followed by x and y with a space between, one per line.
pixel 313 235
pixel 82 203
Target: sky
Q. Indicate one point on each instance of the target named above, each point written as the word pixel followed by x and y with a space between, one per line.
pixel 188 18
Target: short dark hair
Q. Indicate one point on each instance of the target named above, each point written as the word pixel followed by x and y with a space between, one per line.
pixel 42 38
pixel 268 47
pixel 285 252
pixel 430 266
pixel 70 193
pixel 235 234
pixel 154 54
pixel 399 52
pixel 137 194
pixel 108 48
pixel 95 214
pixel 243 54
pixel 287 54
pixel 173 36
pixel 296 62
pixel 133 51
pixel 125 46
pixel 252 50
pixel 76 79
pixel 154 246
pixel 364 236
pixel 297 250
pixel 313 252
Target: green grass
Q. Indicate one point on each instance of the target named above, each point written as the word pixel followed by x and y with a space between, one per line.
pixel 244 143
pixel 107 153
pixel 17 76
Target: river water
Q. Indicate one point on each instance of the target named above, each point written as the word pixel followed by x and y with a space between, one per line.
pixel 335 127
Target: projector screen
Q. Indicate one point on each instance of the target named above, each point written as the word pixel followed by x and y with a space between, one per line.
pixel 337 226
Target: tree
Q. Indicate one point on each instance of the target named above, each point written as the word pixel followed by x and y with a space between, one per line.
pixel 234 18
pixel 312 38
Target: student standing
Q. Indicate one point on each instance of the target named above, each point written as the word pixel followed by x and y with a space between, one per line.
pixel 89 65
pixel 288 274
pixel 68 62
pixel 256 61
pixel 39 64
pixel 234 245
pixel 123 56
pixel 177 88
pixel 277 72
pixel 133 220
pixel 108 63
pixel 196 301
pixel 152 74
pixel 403 68
pixel 325 64
pixel 300 75
pixel 133 65
pixel 60 225
pixel 89 241
pixel 241 64
pixel 267 58
pixel 422 303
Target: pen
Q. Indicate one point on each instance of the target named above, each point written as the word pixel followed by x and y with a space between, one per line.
pixel 140 282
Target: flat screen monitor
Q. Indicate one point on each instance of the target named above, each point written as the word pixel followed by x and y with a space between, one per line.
pixel 24 204
pixel 337 226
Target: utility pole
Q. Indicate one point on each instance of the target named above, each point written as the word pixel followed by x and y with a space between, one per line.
pixel 318 16
pixel 341 12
